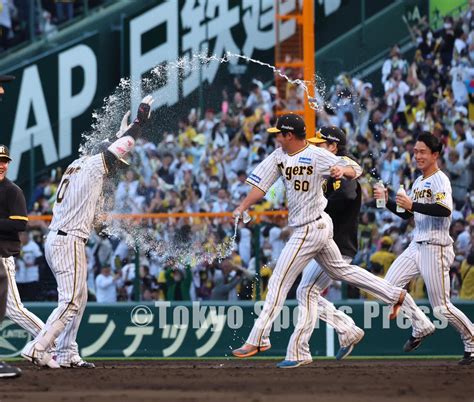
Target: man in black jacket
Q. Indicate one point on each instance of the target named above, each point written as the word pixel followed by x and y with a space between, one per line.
pixel 13 219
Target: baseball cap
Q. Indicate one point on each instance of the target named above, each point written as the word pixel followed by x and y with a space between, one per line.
pixel 289 122
pixel 104 146
pixel 4 152
pixel 329 134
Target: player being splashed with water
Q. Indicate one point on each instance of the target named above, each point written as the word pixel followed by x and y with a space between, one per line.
pixel 78 198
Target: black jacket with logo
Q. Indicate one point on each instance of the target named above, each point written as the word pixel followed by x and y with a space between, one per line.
pixel 13 218
pixel 344 201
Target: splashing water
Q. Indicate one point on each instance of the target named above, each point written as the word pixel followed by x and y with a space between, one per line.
pixel 106 122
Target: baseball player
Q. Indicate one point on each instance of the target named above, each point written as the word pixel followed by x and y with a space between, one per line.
pixel 344 201
pixel 73 215
pixel 303 168
pixel 431 251
pixel 13 219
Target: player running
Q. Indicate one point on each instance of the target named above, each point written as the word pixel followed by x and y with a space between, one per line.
pixel 73 215
pixel 431 251
pixel 344 201
pixel 303 168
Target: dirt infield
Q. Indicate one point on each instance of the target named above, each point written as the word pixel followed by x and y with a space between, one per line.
pixel 246 380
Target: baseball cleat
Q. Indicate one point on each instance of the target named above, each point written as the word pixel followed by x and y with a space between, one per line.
pixel 7 371
pixel 293 363
pixel 249 350
pixel 345 351
pixel 414 343
pixel 397 307
pixel 78 364
pixel 467 359
pixel 38 357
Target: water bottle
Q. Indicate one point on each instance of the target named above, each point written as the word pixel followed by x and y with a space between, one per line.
pixel 400 191
pixel 380 202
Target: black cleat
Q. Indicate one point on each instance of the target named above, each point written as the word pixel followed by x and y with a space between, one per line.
pixel 79 364
pixel 467 359
pixel 7 371
pixel 412 344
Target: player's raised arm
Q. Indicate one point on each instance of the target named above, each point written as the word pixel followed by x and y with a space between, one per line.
pixel 143 116
pixel 126 141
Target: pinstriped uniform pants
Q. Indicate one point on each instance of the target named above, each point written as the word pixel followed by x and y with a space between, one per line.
pixel 301 247
pixel 16 311
pixel 315 241
pixel 433 263
pixel 310 302
pixel 67 258
pixel 3 287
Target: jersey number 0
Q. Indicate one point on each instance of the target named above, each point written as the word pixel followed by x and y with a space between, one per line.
pixel 62 190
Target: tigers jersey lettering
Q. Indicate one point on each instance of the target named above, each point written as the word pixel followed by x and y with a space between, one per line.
pixel 432 189
pixel 303 175
pixel 77 196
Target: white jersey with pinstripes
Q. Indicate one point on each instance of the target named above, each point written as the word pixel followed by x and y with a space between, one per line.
pixel 303 175
pixel 78 195
pixel 435 188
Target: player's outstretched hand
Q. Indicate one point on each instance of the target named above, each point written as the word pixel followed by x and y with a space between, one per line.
pixel 144 110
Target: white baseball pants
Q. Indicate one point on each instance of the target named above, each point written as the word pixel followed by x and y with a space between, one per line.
pixel 433 263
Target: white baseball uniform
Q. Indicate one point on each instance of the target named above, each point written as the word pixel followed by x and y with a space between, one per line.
pixel 73 215
pixel 431 254
pixel 303 174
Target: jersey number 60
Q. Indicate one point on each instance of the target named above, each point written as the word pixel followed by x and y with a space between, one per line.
pixel 301 185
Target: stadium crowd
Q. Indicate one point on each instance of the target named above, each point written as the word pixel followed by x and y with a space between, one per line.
pixel 44 17
pixel 203 166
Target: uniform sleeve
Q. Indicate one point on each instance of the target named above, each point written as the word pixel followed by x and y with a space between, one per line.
pixel 265 174
pixel 442 193
pixel 17 218
pixel 353 164
pixel 325 160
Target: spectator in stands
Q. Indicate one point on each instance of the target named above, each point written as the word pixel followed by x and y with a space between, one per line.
pixel 230 276
pixel 28 276
pixel 383 258
pixel 106 285
pixel 467 277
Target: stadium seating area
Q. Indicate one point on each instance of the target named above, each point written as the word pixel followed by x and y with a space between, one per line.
pixel 202 168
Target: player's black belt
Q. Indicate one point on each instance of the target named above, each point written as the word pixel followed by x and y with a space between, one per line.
pixel 61 233
pixel 423 242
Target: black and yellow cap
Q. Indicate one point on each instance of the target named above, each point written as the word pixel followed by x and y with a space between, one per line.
pixel 287 123
pixel 4 152
pixel 329 134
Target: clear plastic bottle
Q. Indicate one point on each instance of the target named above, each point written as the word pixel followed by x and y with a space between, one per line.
pixel 380 202
pixel 401 190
